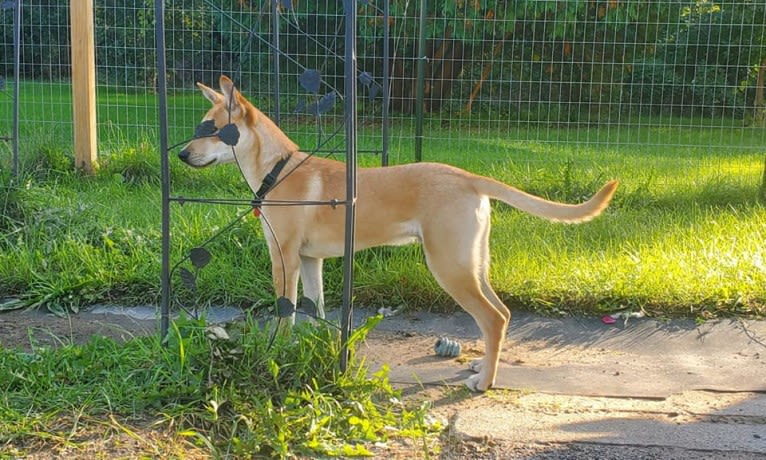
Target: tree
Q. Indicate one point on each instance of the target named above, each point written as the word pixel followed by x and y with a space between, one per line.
pixel 716 54
pixel 567 50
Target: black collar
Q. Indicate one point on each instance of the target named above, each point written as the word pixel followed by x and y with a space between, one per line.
pixel 271 179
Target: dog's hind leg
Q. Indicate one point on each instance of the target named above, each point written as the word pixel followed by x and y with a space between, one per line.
pixel 455 253
pixel 489 293
pixel 311 278
pixel 465 288
pixel 486 289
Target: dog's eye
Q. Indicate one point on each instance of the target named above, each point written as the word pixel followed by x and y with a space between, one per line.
pixel 205 129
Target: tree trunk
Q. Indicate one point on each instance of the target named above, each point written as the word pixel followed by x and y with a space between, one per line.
pixel 444 67
pixel 477 87
pixel 484 75
pixel 402 87
pixel 759 117
pixel 444 64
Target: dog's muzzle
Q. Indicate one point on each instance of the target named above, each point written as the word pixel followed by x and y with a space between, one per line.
pixel 183 155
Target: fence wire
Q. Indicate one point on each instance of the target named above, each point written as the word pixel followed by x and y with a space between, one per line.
pixel 501 80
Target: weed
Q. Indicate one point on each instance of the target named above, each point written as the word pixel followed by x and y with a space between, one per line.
pixel 133 165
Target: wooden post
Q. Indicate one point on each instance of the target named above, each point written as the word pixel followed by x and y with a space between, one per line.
pixel 83 84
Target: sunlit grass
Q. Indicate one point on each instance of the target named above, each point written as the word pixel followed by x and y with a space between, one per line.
pixel 695 263
pixel 681 238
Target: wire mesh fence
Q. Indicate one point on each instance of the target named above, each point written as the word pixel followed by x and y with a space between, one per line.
pixel 596 81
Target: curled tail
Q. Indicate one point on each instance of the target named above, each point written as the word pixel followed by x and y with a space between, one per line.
pixel 551 210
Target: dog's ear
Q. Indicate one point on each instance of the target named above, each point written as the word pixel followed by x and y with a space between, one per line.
pixel 210 94
pixel 230 95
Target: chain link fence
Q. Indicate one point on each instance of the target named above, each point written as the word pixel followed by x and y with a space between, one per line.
pixel 489 79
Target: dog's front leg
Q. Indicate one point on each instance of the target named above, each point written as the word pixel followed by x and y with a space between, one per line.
pixel 311 278
pixel 285 269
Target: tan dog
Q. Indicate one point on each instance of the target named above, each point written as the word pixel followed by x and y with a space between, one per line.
pixel 444 208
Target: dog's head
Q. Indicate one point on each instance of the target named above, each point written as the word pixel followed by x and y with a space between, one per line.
pixel 215 140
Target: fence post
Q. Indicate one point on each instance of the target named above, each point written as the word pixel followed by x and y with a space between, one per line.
pixel 420 82
pixel 83 84
pixel 276 114
pixel 386 82
pixel 350 118
pixel 16 84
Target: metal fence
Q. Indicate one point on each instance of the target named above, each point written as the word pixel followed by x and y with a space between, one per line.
pixel 492 77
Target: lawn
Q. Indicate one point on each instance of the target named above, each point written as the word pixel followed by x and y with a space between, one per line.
pixel 682 238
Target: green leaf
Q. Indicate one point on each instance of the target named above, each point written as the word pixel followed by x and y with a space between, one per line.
pixel 273 369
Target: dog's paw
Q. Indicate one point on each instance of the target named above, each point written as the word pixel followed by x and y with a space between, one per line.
pixel 475 383
pixel 476 365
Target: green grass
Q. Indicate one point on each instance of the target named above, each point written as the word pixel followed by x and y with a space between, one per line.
pixel 234 395
pixel 683 237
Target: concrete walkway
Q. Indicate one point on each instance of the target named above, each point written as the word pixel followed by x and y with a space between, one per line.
pixel 584 389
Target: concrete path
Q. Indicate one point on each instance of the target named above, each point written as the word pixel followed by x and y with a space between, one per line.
pixel 578 388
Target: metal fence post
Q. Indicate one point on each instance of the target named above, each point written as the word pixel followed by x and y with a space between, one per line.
pixel 386 81
pixel 159 31
pixel 350 122
pixel 16 84
pixel 275 47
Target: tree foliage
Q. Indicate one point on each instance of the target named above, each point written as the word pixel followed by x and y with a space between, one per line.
pixel 706 65
pixel 662 56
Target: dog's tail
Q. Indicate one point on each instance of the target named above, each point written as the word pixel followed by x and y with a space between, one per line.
pixel 551 210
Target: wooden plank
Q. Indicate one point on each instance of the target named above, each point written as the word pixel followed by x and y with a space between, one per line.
pixel 83 84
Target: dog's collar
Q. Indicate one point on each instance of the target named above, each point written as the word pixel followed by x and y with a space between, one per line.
pixel 271 179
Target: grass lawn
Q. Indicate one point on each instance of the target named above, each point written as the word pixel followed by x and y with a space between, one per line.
pixel 684 237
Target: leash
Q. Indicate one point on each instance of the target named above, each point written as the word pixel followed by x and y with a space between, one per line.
pixel 268 183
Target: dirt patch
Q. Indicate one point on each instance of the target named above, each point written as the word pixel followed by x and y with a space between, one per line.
pixel 26 330
pixel 88 439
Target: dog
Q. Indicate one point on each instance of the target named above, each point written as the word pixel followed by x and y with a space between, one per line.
pixel 444 208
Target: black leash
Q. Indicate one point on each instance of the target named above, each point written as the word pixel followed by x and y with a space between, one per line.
pixel 268 183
